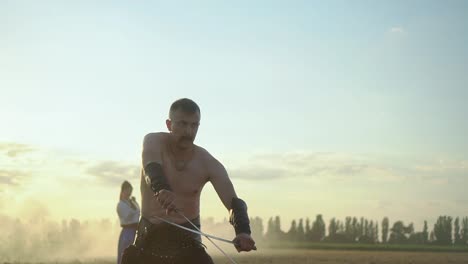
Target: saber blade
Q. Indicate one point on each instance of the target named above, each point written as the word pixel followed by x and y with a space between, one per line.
pixel 209 239
pixel 196 232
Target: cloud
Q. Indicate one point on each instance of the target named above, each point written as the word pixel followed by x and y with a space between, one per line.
pixel 397 30
pixel 443 166
pixel 51 163
pixel 442 172
pixel 113 172
pixel 13 150
pixel 258 174
pixel 12 177
pixel 331 166
pixel 385 204
pixel 341 167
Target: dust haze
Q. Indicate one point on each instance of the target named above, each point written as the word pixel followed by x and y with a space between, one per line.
pixel 34 236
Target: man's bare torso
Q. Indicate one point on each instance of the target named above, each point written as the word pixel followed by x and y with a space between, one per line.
pixel 186 183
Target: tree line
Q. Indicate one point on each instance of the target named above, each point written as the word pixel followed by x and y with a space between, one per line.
pixel 446 231
pixel 43 239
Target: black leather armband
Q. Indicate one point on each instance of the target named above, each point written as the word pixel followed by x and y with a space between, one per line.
pixel 239 217
pixel 155 173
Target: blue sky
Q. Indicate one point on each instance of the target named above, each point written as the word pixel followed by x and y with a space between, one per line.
pixel 363 99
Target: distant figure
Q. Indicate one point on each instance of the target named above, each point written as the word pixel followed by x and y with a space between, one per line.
pixel 129 214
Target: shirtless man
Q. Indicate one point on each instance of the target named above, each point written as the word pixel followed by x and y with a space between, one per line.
pixel 173 175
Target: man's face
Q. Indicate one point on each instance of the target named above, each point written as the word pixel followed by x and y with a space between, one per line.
pixel 183 127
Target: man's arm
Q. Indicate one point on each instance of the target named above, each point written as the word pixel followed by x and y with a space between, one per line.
pixel 152 162
pixel 151 149
pixel 222 184
pixel 237 207
pixel 154 174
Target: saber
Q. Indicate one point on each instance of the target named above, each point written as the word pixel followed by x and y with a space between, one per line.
pixel 209 239
pixel 195 231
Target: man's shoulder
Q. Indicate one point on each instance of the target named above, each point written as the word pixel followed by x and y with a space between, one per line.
pixel 206 156
pixel 155 136
pixel 202 152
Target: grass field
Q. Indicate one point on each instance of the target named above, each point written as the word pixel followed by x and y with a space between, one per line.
pixel 348 257
pixel 302 256
pixel 371 247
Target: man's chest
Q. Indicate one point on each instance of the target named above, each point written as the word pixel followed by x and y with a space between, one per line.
pixel 189 180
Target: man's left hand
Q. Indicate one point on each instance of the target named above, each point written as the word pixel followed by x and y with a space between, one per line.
pixel 244 242
pixel 166 199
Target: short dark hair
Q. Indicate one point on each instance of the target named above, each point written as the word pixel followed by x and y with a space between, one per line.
pixel 186 105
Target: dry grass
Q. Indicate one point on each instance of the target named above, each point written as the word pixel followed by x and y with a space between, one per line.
pixel 293 256
pixel 342 257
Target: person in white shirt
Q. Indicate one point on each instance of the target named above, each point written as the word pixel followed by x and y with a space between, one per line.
pixel 129 215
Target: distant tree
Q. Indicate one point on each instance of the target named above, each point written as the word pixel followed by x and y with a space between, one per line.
pixel 270 229
pixel 277 224
pixel 256 226
pixel 307 227
pixel 366 228
pixel 75 227
pixel 337 231
pixel 443 230
pixel 371 232
pixel 292 233
pixel 349 231
pixel 64 229
pixel 457 234
pixel 400 233
pixel 385 225
pixel 368 232
pixel 360 232
pixel 300 230
pixel 425 233
pixel 332 228
pixel 355 229
pixel 317 232
pixel 341 229
pixel 376 232
pixel 464 231
pixel 432 237
pixel 274 231
pixel 397 234
pixel 260 227
pixel 416 238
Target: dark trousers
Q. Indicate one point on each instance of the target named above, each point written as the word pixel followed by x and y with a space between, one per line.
pixel 167 244
pixel 187 256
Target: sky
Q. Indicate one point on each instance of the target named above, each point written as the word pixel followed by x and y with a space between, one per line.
pixel 314 107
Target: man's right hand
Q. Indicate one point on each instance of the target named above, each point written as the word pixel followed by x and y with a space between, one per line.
pixel 244 242
pixel 166 199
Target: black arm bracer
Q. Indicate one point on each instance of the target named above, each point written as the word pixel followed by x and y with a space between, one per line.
pixel 155 173
pixel 239 217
